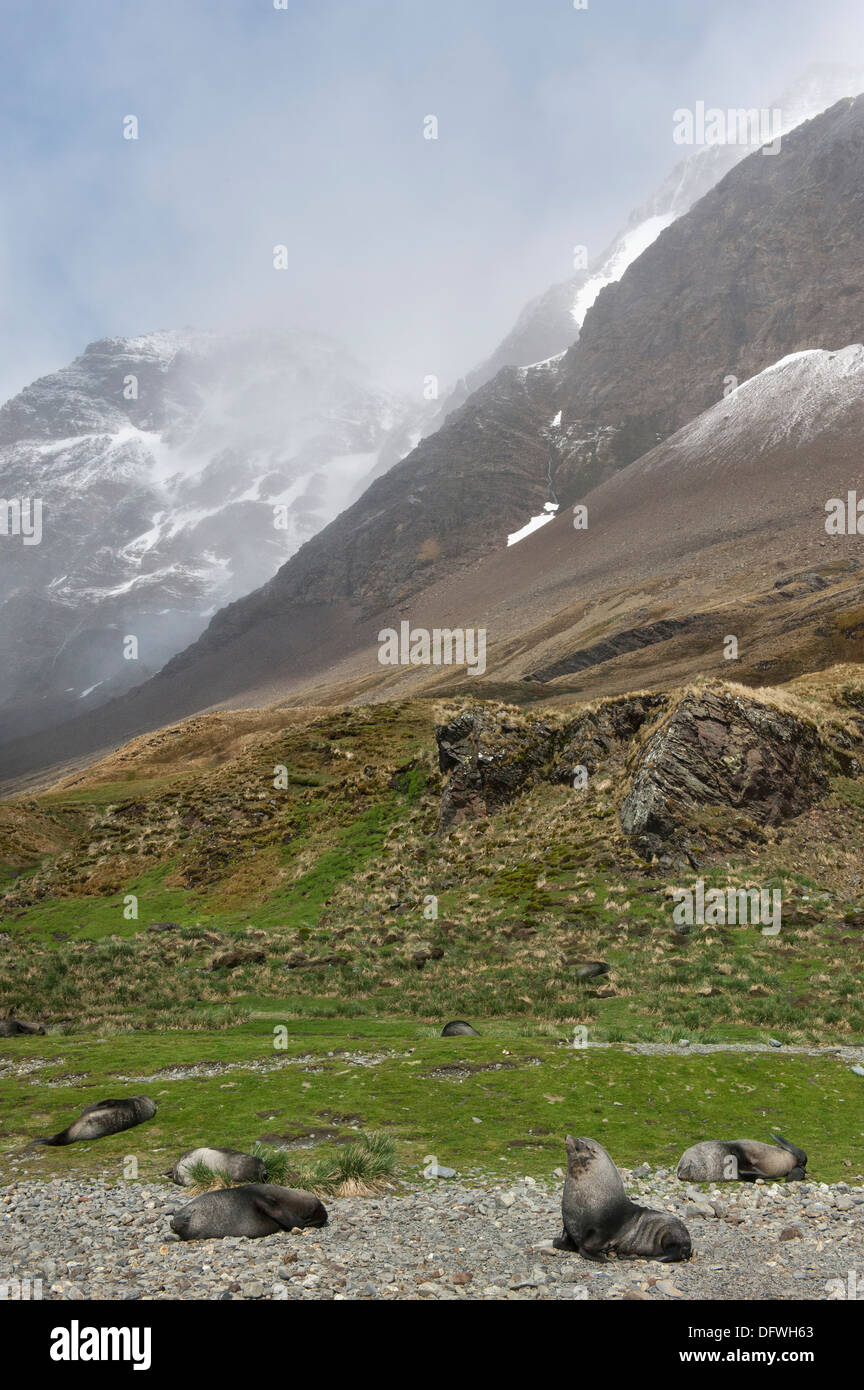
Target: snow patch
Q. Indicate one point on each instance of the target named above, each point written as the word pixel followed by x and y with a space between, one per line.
pixel 627 249
pixel 548 514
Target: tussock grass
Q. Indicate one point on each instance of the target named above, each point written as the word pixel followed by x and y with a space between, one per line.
pixel 330 879
pixel 356 1169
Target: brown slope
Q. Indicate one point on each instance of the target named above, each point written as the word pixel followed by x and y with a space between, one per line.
pixel 719 531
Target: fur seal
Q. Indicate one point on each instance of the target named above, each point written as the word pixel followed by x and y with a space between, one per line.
pixel 459 1029
pixel 258 1209
pixel 11 1027
pixel 237 1166
pixel 599 1217
pixel 590 968
pixel 105 1117
pixel 744 1160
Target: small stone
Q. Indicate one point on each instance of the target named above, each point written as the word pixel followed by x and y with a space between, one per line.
pixel 791 1233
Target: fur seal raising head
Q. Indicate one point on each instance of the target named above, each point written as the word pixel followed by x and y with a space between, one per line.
pixel 258 1209
pixel 459 1029
pixel 599 1218
pixel 105 1117
pixel 745 1160
pixel 237 1166
pixel 11 1027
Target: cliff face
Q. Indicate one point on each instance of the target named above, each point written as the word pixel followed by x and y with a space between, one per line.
pixel 551 322
pixel 769 262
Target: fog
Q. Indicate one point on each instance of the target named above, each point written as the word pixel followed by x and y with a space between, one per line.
pixel 304 127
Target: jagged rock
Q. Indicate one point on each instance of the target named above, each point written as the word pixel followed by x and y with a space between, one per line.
pixel 493 757
pixel 717 748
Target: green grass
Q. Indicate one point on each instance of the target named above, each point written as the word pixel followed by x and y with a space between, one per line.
pixel 329 879
pixel 526 1087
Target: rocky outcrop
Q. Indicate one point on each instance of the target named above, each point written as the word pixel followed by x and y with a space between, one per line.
pixel 705 751
pixel 632 640
pixel 493 756
pixel 716 748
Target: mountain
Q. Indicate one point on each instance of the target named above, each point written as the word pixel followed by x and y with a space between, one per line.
pixel 718 532
pixel 767 264
pixel 551 322
pixel 159 461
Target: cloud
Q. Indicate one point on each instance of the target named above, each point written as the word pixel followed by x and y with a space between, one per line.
pixel 304 127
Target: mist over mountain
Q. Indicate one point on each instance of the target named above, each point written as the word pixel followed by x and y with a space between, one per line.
pixel 177 471
pixel 551 322
pixel 769 263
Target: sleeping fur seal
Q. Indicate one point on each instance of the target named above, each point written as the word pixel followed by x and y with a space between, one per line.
pixel 237 1166
pixel 258 1209
pixel 730 1160
pixel 459 1029
pixel 11 1027
pixel 105 1117
pixel 600 1218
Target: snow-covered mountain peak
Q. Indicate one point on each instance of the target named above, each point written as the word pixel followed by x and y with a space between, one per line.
pixel 177 470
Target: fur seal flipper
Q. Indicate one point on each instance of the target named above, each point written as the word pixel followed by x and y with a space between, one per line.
pixel 599 1218
pixel 104 1117
pixel 258 1209
pixel 742 1160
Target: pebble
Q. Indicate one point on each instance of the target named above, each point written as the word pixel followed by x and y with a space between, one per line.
pixel 467 1240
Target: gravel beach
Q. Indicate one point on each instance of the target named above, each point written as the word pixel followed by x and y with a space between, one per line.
pixel 456 1239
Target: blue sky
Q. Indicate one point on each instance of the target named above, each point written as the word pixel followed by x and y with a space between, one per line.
pixel 304 127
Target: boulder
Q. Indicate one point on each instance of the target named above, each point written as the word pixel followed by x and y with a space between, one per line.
pixel 719 748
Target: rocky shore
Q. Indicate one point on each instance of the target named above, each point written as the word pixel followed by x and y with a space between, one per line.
pixel 457 1239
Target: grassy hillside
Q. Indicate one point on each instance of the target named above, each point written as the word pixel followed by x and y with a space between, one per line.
pixel 292 865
